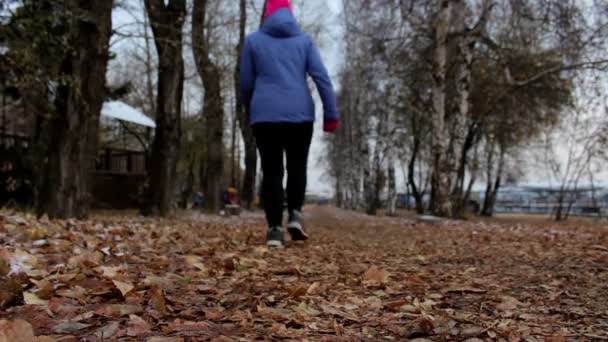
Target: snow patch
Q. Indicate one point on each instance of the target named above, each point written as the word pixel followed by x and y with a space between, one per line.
pixel 122 111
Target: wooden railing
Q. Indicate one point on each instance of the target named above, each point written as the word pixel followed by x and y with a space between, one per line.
pixel 16 141
pixel 121 161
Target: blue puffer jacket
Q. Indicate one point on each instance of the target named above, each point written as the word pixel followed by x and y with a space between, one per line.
pixel 274 68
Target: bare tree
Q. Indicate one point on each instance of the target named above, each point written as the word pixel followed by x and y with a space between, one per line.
pixel 167 20
pixel 251 156
pixel 67 154
pixel 213 109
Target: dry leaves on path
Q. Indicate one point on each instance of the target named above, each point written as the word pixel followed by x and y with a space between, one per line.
pixel 200 278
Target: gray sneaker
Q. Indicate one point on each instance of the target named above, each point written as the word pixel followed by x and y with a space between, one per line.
pixel 274 237
pixel 295 226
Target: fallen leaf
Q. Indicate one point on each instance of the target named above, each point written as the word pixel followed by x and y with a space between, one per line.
pixel 83 317
pixel 472 332
pixel 75 292
pixel 420 327
pixel 555 339
pixel 312 288
pixel 109 271
pixel 19 261
pixel 4 266
pixel 86 260
pixel 336 312
pixel 32 299
pixel 298 291
pixel 69 327
pixel 20 331
pixel 11 292
pixel 375 276
pixel 203 251
pixel 45 289
pixel 107 331
pixel 396 305
pixel 162 282
pixel 307 310
pixel 118 310
pixel 178 325
pixel 196 262
pixel 464 289
pixel 275 314
pixel 157 299
pixel 123 287
pixel 509 303
pixel 137 326
pixel 165 339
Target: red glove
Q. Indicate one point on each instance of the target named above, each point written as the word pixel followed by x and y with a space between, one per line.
pixel 331 125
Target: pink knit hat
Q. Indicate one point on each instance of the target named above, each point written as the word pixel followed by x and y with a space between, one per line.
pixel 275 5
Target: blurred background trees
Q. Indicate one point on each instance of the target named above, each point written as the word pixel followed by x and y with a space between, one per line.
pixel 460 88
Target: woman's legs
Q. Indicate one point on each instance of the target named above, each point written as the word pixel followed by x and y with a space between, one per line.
pixel 297 147
pixel 270 145
pixel 273 140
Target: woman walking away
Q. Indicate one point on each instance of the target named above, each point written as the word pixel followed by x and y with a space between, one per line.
pixel 275 63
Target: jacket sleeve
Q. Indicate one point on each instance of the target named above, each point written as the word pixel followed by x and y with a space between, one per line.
pixel 247 74
pixel 318 72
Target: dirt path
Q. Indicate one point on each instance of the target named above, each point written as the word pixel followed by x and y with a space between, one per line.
pixel 358 279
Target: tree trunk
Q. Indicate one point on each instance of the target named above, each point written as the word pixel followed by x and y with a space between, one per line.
pixel 263 12
pixel 492 189
pixel 213 109
pixel 233 160
pixel 167 21
pixel 339 193
pixel 462 140
pixel 368 180
pixel 571 201
pixel 459 195
pixel 474 171
pixel 559 210
pixel 149 67
pixel 251 157
pixel 189 186
pixel 251 164
pixel 411 169
pixel 441 205
pixel 67 164
pixel 392 190
pixel 460 115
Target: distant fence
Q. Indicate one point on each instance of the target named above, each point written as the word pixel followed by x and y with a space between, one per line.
pixel 16 187
pixel 577 209
pixel 121 161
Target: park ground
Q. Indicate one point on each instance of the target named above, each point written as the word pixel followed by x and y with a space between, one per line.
pixel 199 278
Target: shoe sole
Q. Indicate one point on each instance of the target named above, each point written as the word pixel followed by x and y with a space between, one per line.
pixel 274 243
pixel 297 233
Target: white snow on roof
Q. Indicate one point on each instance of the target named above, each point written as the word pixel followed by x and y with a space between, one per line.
pixel 122 111
pixel 7 9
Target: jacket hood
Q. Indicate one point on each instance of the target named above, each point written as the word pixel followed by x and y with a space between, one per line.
pixel 281 24
pixel 275 5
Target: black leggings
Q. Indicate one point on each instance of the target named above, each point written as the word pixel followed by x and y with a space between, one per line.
pixel 274 140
